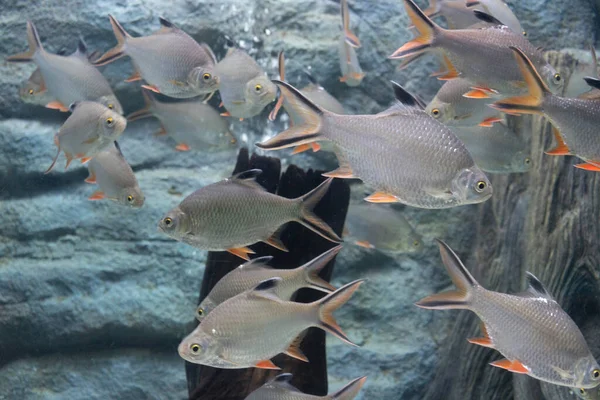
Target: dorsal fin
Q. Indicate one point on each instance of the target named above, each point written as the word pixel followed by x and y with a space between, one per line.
pixel 406 98
pixel 485 17
pixel 250 174
pixel 287 378
pixel 267 289
pixel 165 23
pixel 73 106
pixel 534 286
pixel 592 82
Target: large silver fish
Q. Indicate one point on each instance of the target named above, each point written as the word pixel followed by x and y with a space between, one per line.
pixel 253 272
pixel 237 212
pixel 244 87
pixel 530 329
pixel 576 121
pixel 255 326
pixel 116 179
pixel 498 149
pixel 90 129
pixel 170 60
pixel 403 153
pixel 482 56
pixel 281 388
pixel 193 124
pixel 352 73
pixel 67 79
pixel 380 227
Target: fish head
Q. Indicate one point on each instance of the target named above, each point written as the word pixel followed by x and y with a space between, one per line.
pixel 113 124
pixel 471 186
pixel 521 162
pixel 586 373
pixel 260 91
pixel 588 394
pixel 174 223
pixel 132 197
pixel 443 112
pixel 33 93
pixel 553 78
pixel 413 243
pixel 201 348
pixel 204 79
pixel 204 308
pixel 111 103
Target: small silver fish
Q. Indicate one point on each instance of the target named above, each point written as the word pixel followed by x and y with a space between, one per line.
pixel 116 179
pixel 352 73
pixel 280 388
pixel 588 394
pixel 253 272
pixel 193 124
pixel 256 325
pixel 575 121
pixel 237 212
pixel 170 60
pixel 244 87
pixel 586 64
pixel 90 129
pixel 67 79
pixel 497 149
pixel 480 55
pixel 380 227
pixel 530 329
pixel 403 153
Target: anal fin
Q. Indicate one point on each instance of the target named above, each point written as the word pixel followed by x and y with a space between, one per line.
pixel 589 166
pixel 451 71
pixel 91 178
pixel 276 242
pixel 364 243
pixel 512 366
pixel 241 252
pixel 97 195
pixel 294 349
pixel 152 88
pixel 266 364
pixel 381 197
pixel 57 105
pixel 134 77
pixel 561 148
pixel 489 122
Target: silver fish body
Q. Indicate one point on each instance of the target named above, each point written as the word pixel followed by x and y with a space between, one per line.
pixel 251 273
pixel 530 329
pixel 321 97
pixel 381 227
pixel 352 73
pixel 251 328
pixel 115 178
pixel 280 388
pixel 244 87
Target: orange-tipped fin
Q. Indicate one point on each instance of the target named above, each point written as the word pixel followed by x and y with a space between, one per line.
pixel 182 147
pixel 135 76
pixel 450 73
pixel 294 349
pixel 302 148
pixel 485 342
pixel 85 159
pixel 426 27
pixel 275 111
pixel 476 94
pixel 312 269
pixel 91 178
pixel 489 122
pixel 328 304
pixel 364 243
pixel 226 114
pixel 589 166
pixel 350 37
pixel 276 242
pixel 309 219
pixel 266 364
pixel 512 366
pixel 33 39
pixel 381 197
pixel 242 252
pixel 97 195
pixel 57 105
pixel 561 148
pixel 118 51
pixel 152 88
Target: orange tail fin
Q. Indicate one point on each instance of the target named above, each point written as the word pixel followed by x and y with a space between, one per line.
pixel 34 45
pixel 328 304
pixel 427 30
pixel 117 51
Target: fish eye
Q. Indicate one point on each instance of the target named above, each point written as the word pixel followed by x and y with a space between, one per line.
pixel 168 221
pixel 416 243
pixel 130 198
pixel 31 91
pixel 111 106
pixel 195 347
pixel 582 391
pixel 480 187
pixel 110 121
pixel 596 373
pixel 206 76
pixel 258 88
pixel 524 33
pixel 557 78
pixel 527 161
pixel 200 311
pixel 435 112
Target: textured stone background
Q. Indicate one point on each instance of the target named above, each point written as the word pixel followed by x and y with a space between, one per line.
pixel 93 300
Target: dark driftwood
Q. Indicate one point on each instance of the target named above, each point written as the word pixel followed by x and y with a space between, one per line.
pixel 546 222
pixel 205 383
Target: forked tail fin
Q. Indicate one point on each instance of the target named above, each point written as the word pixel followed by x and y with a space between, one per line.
pixel 464 282
pixel 309 219
pixel 531 103
pixel 311 270
pixel 34 45
pixel 427 32
pixel 350 391
pixel 116 52
pixel 146 111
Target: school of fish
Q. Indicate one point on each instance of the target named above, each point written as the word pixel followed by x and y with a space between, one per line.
pixel 429 156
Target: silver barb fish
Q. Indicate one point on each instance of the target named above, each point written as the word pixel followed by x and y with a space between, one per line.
pixel 530 329
pixel 380 227
pixel 116 179
pixel 281 388
pixel 237 212
pixel 255 326
pixel 253 272
pixel 193 124
pixel 90 129
pixel 244 87
pixel 68 79
pixel 482 56
pixel 352 73
pixel 170 60
pixel 575 121
pixel 403 153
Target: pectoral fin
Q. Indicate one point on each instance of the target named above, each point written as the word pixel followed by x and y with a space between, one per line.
pixel 97 195
pixel 57 105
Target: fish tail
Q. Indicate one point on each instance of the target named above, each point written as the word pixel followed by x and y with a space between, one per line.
pixel 428 30
pixel 350 37
pixel 463 280
pixel 311 270
pixel 532 102
pixel 350 391
pixel 433 10
pixel 118 51
pixel 34 45
pixel 304 133
pixel 146 111
pixel 328 304
pixel 309 219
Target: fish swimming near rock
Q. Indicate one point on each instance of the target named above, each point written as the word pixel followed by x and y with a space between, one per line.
pixel 244 87
pixel 281 388
pixel 68 79
pixel 90 129
pixel 352 73
pixel 170 60
pixel 253 272
pixel 482 56
pixel 237 212
pixel 575 121
pixel 193 124
pixel 496 150
pixel 403 153
pixel 530 329
pixel 380 227
pixel 116 179
pixel 256 325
